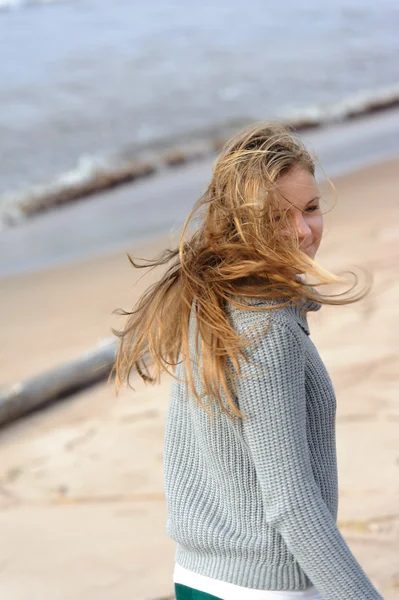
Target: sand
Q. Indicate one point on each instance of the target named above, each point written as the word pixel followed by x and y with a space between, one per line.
pixel 82 510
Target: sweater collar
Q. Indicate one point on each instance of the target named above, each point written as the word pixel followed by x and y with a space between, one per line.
pixel 299 311
pixel 305 306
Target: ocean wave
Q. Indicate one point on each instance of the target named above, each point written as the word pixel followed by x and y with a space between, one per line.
pixel 93 173
pixel 356 105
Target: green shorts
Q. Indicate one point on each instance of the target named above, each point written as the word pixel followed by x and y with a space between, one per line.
pixel 183 592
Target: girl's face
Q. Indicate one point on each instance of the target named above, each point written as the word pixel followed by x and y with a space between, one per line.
pixel 301 198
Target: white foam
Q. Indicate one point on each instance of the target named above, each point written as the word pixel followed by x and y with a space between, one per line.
pixel 355 105
pixel 12 203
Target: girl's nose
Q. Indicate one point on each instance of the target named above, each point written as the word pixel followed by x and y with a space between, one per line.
pixel 302 226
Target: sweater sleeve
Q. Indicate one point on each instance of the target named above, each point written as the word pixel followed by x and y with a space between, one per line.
pixel 272 397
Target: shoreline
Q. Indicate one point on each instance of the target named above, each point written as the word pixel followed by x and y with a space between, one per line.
pixel 96 174
pixel 158 206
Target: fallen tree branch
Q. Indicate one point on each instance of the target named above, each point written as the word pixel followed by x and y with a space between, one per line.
pixel 22 398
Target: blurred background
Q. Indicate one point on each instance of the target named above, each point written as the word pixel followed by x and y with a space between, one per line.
pixel 111 115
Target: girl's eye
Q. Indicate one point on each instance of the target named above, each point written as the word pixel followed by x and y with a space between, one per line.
pixel 313 208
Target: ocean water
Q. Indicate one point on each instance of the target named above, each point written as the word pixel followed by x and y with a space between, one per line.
pixel 89 78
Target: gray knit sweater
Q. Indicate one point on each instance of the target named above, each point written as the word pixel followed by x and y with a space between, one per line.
pixel 255 503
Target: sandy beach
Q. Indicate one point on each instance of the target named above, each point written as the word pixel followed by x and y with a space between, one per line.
pixel 82 510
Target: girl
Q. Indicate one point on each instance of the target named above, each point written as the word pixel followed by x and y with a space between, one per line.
pixel 250 458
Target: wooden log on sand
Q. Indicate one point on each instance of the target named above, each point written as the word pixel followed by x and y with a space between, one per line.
pixel 20 399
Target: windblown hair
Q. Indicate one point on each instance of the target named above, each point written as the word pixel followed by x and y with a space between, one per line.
pixel 237 252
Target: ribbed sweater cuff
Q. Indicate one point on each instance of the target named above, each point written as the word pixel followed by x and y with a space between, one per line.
pixel 243 572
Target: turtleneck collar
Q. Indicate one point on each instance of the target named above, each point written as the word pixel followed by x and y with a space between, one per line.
pixel 299 311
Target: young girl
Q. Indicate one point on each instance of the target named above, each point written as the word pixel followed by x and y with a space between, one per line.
pixel 250 457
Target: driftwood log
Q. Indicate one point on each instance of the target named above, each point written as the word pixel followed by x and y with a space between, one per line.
pixel 22 398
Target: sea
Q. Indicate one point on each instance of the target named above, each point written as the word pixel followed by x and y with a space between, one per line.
pixel 83 80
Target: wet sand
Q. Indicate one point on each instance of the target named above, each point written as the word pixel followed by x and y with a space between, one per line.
pixel 82 511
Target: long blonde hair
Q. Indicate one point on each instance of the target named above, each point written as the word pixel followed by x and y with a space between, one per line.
pixel 237 252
